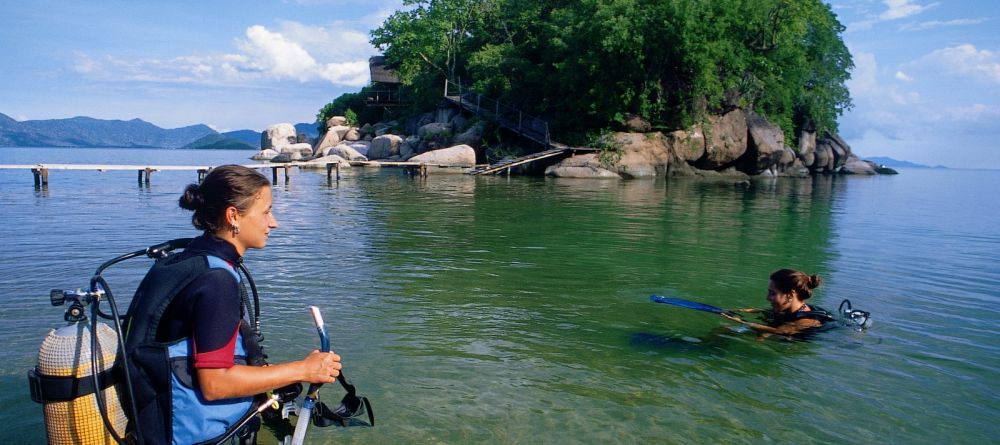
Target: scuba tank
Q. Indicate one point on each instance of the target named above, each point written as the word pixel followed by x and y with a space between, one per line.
pixel 74 376
pixel 80 379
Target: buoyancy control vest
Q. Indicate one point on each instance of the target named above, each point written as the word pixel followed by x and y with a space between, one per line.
pixel 815 313
pixel 168 402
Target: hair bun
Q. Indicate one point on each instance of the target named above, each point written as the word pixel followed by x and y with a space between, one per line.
pixel 814 281
pixel 192 199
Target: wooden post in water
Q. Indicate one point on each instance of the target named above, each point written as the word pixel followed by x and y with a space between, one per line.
pixel 41 176
pixel 274 175
pixel 149 172
pixel 201 175
pixel 287 169
pixel 329 169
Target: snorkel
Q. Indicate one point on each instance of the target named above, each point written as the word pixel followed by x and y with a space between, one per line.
pixel 305 411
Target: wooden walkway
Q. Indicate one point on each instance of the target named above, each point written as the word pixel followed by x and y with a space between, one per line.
pixel 507 164
pixel 513 119
pixel 41 171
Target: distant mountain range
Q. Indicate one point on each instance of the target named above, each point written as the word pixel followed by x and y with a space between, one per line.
pixel 89 132
pixel 890 162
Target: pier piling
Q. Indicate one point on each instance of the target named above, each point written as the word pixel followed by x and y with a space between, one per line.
pixel 41 176
pixel 330 168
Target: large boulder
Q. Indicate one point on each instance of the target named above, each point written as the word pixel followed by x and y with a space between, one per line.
pixel 264 155
pixel 825 160
pixel 766 147
pixel 336 121
pixel 359 146
pixel 582 166
pixel 472 137
pixel 352 134
pixel 726 140
pixel 322 161
pixel 855 166
pixel 688 145
pixel 636 124
pixel 643 155
pixel 384 146
pixel 332 137
pixel 445 115
pixel 409 147
pixel 277 136
pixel 297 151
pixel 459 155
pixel 807 148
pixel 347 152
pixel 841 151
pixel 435 131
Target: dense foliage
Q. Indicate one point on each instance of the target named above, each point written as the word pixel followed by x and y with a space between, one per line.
pixel 586 64
pixel 352 106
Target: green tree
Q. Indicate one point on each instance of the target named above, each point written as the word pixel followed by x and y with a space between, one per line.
pixel 586 64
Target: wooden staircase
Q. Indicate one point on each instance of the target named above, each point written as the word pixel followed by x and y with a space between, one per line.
pixel 513 119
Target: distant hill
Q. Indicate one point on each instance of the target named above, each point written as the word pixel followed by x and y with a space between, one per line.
pixel 890 162
pixel 89 132
pixel 308 128
pixel 220 142
pixel 253 137
pixel 136 133
pixel 247 136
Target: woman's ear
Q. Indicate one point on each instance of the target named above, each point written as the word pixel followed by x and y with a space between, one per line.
pixel 231 214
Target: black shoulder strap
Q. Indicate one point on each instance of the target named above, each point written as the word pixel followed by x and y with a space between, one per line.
pixel 816 313
pixel 164 281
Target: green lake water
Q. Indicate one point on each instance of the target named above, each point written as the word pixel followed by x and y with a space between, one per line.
pixel 497 310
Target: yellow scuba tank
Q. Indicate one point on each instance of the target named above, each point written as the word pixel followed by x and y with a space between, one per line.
pixel 63 383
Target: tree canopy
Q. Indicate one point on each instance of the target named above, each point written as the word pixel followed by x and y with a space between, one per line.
pixel 589 63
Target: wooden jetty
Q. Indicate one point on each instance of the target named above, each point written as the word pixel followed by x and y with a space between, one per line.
pixel 41 171
pixel 507 164
pixel 527 126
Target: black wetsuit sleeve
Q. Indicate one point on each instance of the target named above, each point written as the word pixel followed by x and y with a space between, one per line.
pixel 215 320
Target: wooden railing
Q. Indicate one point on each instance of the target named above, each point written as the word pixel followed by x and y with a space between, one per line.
pixel 526 125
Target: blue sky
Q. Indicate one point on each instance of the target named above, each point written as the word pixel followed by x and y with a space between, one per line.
pixel 926 86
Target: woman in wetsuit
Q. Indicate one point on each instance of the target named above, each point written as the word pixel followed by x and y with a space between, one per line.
pixel 787 292
pixel 199 360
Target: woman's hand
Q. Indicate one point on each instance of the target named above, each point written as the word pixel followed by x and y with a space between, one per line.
pixel 732 317
pixel 321 367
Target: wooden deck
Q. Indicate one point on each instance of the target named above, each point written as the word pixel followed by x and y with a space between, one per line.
pixel 509 163
pixel 145 171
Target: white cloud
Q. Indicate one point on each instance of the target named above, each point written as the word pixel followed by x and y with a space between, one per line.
pixel 963 60
pixel 338 55
pixel 276 55
pixel 923 26
pixel 895 10
pixel 898 9
pixel 866 88
pixel 903 76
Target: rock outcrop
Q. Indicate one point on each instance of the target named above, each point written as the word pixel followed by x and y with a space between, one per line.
pixel 582 166
pixel 459 155
pixel 277 136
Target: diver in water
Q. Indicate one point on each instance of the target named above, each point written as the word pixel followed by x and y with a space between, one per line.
pixel 787 292
pixel 198 358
